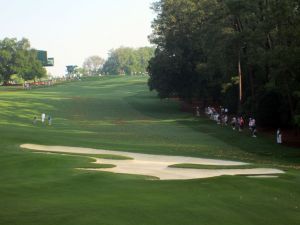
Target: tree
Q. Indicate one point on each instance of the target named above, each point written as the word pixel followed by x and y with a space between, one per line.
pixel 31 67
pixel 210 50
pixel 129 61
pixel 9 58
pixel 93 65
pixel 16 57
pixel 178 34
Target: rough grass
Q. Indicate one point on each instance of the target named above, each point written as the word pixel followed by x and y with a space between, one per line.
pixel 119 113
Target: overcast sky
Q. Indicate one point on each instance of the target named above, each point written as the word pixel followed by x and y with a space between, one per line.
pixel 72 30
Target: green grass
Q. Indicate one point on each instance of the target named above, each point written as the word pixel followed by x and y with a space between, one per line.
pixel 97 166
pixel 119 113
pixel 101 156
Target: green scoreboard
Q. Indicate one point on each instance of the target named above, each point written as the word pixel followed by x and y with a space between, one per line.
pixel 42 57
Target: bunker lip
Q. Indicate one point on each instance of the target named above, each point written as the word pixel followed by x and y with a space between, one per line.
pixel 157 165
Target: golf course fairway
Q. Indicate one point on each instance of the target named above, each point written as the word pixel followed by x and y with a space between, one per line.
pixel 118 113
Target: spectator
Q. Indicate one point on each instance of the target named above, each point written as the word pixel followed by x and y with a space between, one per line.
pixel 252 124
pixel 279 136
pixel 225 120
pixel 34 120
pixel 233 123
pixel 49 120
pixel 43 117
pixel 241 124
pixel 226 111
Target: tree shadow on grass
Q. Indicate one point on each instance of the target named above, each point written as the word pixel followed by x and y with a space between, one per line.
pixel 261 148
pixel 149 105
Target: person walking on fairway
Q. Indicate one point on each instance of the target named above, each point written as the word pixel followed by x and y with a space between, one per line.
pixel 34 120
pixel 49 120
pixel 43 117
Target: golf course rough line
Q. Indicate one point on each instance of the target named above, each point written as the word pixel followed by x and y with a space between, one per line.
pixel 157 165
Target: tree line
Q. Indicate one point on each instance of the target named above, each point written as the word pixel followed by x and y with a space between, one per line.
pixel 123 60
pixel 18 60
pixel 129 61
pixel 242 54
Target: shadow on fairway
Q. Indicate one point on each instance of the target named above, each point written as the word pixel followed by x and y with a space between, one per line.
pixel 262 148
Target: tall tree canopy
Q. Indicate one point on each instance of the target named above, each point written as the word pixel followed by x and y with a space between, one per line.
pixel 128 61
pixel 211 50
pixel 16 57
pixel 92 65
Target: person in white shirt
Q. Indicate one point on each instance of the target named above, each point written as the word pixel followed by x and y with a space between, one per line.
pixel 43 117
pixel 279 136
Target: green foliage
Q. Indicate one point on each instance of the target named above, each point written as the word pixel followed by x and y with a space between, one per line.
pixel 205 41
pixel 17 79
pixel 128 61
pixel 31 67
pixel 16 57
pixel 92 66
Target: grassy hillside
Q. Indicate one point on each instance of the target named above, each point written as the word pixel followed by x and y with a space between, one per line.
pixel 119 113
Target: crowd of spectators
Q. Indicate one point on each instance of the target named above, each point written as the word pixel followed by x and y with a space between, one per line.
pixel 221 116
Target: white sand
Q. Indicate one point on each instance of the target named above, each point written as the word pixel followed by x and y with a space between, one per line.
pixel 157 165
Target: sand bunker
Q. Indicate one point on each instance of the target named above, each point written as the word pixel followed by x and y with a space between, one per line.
pixel 157 165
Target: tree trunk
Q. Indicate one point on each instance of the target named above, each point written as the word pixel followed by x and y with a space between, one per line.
pixel 252 87
pixel 240 79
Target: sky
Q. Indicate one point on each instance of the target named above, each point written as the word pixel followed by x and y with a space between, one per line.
pixel 72 30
